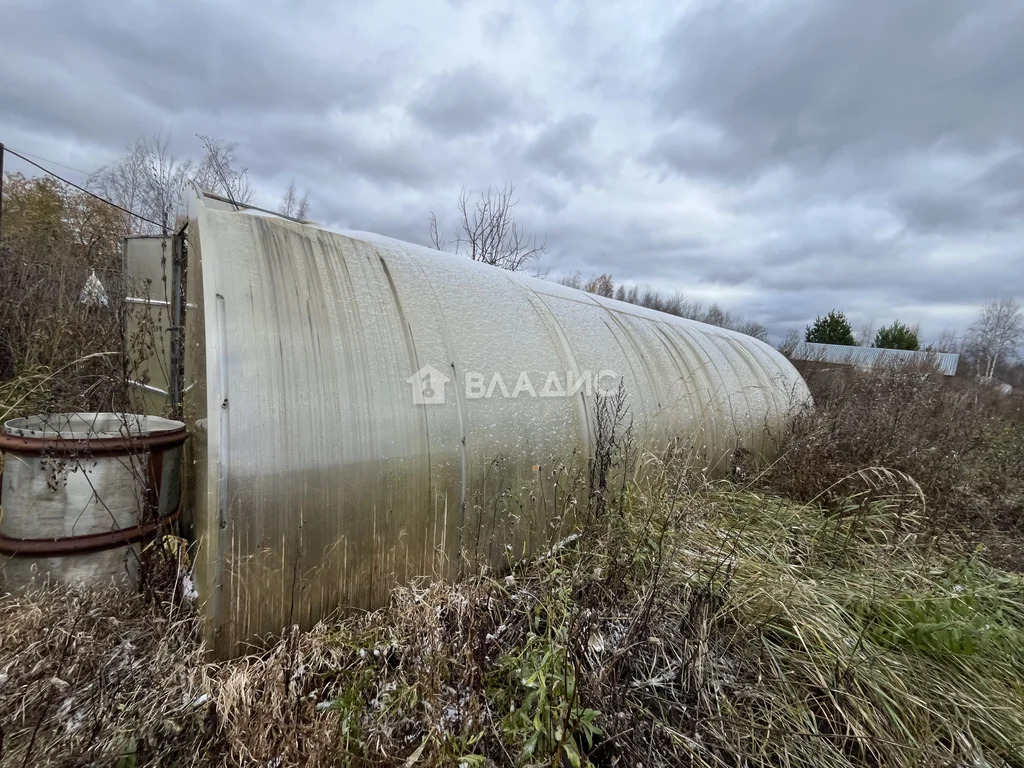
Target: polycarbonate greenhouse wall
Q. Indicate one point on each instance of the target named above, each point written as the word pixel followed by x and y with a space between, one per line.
pixel 365 410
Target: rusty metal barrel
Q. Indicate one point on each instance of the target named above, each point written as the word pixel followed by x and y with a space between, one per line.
pixel 81 493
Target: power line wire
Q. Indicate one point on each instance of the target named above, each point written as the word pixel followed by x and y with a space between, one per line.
pixel 83 189
pixel 52 162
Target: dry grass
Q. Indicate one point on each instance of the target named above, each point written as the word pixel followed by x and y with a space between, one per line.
pixel 695 625
pixel 962 443
pixel 86 674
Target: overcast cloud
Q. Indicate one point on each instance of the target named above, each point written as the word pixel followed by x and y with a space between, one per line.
pixel 782 158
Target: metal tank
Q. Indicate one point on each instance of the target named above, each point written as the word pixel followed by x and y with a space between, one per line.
pixel 349 433
pixel 82 492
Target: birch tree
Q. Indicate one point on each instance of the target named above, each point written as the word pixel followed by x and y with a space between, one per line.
pixel 293 205
pixel 996 334
pixel 149 179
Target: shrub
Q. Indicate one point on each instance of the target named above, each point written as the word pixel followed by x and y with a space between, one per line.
pixel 56 352
pixel 995 474
pixel 957 440
pixel 834 328
pixel 896 336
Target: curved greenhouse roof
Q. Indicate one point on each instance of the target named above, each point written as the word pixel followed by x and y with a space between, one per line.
pixel 368 409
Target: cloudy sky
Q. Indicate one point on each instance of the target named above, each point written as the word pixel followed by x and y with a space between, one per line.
pixel 782 158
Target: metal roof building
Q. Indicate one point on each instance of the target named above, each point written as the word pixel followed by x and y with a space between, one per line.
pixel 869 357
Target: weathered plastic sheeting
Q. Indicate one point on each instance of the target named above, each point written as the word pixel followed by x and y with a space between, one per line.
pixel 148 293
pixel 318 482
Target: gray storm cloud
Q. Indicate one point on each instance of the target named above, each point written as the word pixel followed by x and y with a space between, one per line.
pixel 783 158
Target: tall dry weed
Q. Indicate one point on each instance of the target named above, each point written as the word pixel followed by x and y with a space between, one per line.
pixel 696 625
pixel 956 439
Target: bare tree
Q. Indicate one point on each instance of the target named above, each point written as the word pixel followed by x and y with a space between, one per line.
pixel 789 344
pixel 168 178
pixel 574 280
pixel 293 205
pixel 750 328
pixel 996 334
pixel 149 180
pixel 691 310
pixel 602 285
pixel 716 316
pixel 866 334
pixel 436 238
pixel 219 171
pixel 948 341
pixel 489 231
pixel 125 182
pixel 673 304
